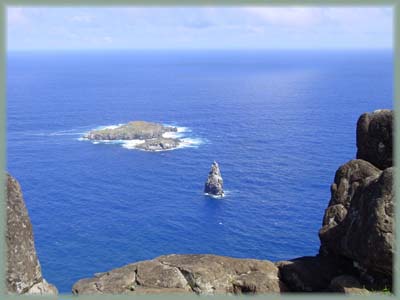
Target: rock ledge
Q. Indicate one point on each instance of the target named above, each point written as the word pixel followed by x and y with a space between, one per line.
pixel 199 274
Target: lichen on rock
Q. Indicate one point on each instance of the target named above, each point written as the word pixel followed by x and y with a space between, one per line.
pixel 24 275
pixel 375 138
pixel 200 274
pixel 359 221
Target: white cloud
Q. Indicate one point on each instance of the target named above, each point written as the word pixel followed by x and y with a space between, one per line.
pixel 233 26
pixel 16 16
pixel 356 17
pixel 345 18
pixel 82 18
pixel 107 39
pixel 286 16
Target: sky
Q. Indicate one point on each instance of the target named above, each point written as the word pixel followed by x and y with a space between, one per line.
pixel 203 27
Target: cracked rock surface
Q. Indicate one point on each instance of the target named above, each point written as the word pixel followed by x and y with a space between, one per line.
pixel 358 224
pixel 24 275
pixel 374 138
pixel 200 274
pixel 359 221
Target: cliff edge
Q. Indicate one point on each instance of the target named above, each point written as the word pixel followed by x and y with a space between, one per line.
pixel 24 275
pixel 200 274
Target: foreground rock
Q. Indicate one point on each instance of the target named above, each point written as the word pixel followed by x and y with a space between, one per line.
pixel 200 274
pixel 214 185
pixel 359 221
pixel 347 284
pixel 374 138
pixel 24 274
pixel 358 224
pixel 151 135
pixel 312 273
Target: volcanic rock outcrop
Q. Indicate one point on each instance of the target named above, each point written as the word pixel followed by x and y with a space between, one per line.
pixel 214 185
pixel 200 274
pixel 312 273
pixel 24 275
pixel 150 135
pixel 374 138
pixel 357 234
pixel 359 221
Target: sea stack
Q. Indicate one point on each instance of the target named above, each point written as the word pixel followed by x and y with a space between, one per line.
pixel 214 184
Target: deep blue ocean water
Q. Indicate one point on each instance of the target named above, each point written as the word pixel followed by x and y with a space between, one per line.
pixel 278 123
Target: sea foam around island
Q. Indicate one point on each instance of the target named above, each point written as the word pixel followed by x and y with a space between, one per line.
pixel 184 134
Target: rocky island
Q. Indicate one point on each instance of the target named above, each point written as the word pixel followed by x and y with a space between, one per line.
pixel 149 136
pixel 214 185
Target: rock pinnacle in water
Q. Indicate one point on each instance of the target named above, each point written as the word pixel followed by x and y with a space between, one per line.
pixel 214 184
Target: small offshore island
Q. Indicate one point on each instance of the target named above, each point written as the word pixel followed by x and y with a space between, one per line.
pixel 148 136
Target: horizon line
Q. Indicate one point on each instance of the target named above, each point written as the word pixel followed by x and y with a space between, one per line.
pixel 201 49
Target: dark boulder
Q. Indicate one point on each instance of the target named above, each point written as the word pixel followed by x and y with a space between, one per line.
pixel 374 138
pixel 347 284
pixel 312 273
pixel 358 224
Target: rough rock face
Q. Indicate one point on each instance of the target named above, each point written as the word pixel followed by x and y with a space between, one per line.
pixel 311 273
pixel 24 274
pixel 200 274
pixel 347 284
pixel 136 130
pixel 358 223
pixel 374 138
pixel 214 184
pixel 361 227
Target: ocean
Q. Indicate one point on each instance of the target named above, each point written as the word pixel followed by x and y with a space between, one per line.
pixel 279 123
